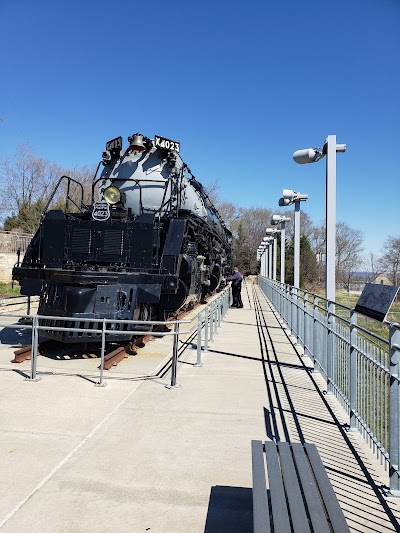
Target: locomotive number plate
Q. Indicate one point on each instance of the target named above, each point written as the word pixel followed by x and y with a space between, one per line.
pixel 101 211
pixel 167 144
pixel 114 145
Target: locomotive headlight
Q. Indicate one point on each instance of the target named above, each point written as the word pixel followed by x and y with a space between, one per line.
pixel 112 195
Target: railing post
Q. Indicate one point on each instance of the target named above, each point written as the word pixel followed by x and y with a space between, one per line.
pixel 34 349
pixel 206 315
pixel 394 403
pixel 101 382
pixel 330 348
pixel 306 325
pixel 282 311
pixel 315 333
pixel 174 363
pixel 212 321
pixel 288 307
pixel 296 325
pixel 303 318
pixel 226 303
pixel 199 325
pixel 353 371
pixel 292 312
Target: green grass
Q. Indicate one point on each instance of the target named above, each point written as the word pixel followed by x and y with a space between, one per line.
pixel 6 290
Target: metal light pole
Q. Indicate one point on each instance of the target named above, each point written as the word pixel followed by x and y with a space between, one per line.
pixel 270 260
pixel 279 219
pixel 261 257
pixel 265 260
pixel 265 244
pixel 274 233
pixel 311 155
pixel 290 197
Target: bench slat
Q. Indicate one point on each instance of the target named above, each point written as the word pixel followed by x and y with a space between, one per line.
pixel 278 499
pixel 292 487
pixel 311 494
pixel 261 521
pixel 332 505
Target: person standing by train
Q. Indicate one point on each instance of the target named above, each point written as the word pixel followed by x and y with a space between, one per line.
pixel 236 280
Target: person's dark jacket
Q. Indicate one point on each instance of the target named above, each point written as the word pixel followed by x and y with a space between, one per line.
pixel 236 279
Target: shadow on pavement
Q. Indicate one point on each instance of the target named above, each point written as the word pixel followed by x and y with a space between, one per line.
pixel 15 335
pixel 230 509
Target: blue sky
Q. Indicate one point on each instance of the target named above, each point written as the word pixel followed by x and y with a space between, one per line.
pixel 241 85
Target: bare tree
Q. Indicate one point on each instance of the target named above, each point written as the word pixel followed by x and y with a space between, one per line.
pixel 372 267
pixel 248 230
pixel 390 260
pixel 28 181
pixel 349 248
pixel 26 177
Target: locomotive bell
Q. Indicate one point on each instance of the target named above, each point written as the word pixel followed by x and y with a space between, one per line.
pixel 136 142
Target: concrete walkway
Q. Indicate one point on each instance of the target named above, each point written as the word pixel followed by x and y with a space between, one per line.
pixel 135 456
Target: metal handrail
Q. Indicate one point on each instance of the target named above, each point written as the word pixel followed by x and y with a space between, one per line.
pixel 361 367
pixel 208 319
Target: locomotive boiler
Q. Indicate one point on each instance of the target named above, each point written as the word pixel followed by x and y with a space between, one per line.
pixel 149 243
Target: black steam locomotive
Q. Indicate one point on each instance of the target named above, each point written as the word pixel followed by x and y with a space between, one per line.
pixel 149 243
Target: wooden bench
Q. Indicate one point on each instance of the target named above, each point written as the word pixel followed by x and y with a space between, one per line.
pixel 299 497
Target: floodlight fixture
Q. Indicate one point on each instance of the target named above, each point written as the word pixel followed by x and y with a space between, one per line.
pixel 308 155
pixel 293 196
pixel 279 219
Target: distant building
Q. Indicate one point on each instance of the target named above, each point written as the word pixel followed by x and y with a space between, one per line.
pixel 383 279
pixel 361 278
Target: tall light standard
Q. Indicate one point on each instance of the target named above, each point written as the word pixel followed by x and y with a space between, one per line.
pixel 265 243
pixel 272 232
pixel 263 260
pixel 270 259
pixel 275 220
pixel 290 197
pixel 259 258
pixel 311 155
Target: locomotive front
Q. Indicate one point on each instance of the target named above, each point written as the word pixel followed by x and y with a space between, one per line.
pixel 149 244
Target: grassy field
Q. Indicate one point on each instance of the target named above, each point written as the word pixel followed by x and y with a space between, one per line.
pixel 6 289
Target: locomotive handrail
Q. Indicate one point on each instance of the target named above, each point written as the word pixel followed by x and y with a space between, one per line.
pixel 68 197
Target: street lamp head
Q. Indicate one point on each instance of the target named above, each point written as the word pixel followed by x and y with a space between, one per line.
pixel 308 155
pixel 278 219
pixel 271 231
pixel 289 197
pixel 283 202
pixel 288 194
